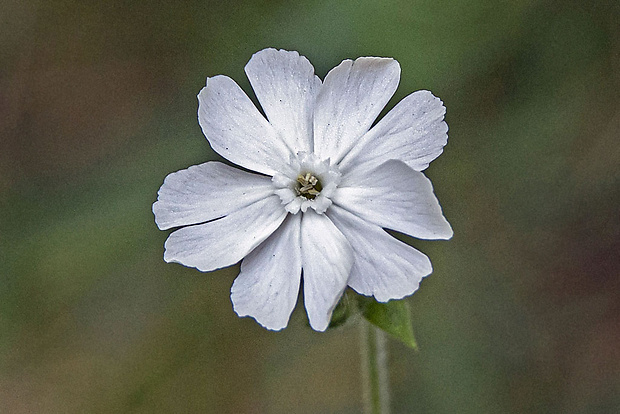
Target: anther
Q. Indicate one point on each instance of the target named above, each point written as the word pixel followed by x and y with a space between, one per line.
pixel 309 186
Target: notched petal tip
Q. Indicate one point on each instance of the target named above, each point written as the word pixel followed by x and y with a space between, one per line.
pixel 243 312
pixel 377 60
pixel 273 51
pixel 275 327
pixel 210 81
pixel 157 210
pixel 268 285
pixel 170 258
pixel 160 211
pixel 390 65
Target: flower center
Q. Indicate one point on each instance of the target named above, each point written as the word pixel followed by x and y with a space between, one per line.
pixel 308 182
pixel 308 186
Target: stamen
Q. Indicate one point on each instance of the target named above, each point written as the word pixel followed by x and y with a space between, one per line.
pixel 309 186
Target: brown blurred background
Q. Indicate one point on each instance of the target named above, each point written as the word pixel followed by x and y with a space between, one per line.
pixel 97 105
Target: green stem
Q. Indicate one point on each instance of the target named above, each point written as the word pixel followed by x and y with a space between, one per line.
pixel 374 369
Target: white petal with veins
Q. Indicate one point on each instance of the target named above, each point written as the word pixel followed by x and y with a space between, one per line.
pixel 286 86
pixel 268 285
pixel 225 241
pixel 205 192
pixel 383 266
pixel 413 131
pixel 327 259
pixel 237 130
pixel 394 196
pixel 352 96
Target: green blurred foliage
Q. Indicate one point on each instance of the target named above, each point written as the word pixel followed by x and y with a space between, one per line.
pixel 97 105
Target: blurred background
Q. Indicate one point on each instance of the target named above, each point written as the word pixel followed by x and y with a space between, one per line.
pixel 98 104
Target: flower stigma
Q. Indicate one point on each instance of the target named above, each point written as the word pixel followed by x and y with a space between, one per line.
pixel 309 186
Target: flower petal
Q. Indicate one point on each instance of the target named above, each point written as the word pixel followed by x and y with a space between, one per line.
pixel 383 266
pixel 394 196
pixel 414 131
pixel 267 287
pixel 225 241
pixel 205 192
pixel 327 259
pixel 352 96
pixel 236 129
pixel 286 87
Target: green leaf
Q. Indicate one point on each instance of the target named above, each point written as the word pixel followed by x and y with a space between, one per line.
pixel 394 317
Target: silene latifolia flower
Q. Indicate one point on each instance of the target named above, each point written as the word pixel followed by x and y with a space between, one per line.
pixel 324 187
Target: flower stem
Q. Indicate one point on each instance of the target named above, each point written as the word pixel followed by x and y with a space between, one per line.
pixel 374 369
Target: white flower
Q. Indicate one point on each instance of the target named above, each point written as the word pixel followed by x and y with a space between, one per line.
pixel 326 184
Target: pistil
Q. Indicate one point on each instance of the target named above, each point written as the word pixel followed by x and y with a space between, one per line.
pixel 309 186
